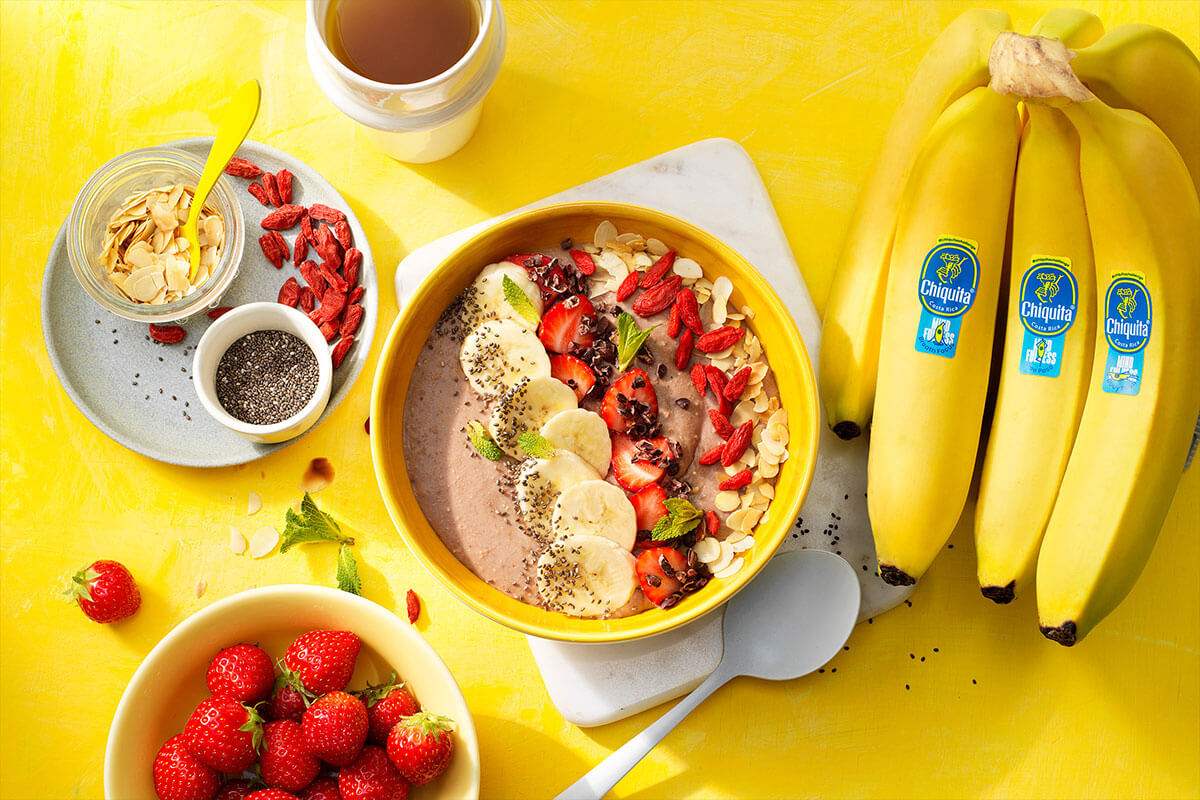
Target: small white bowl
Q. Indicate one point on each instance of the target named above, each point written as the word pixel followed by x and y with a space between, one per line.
pixel 169 683
pixel 232 326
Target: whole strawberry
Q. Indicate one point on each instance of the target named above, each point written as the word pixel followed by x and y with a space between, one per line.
pixel 234 790
pixel 243 672
pixel 285 761
pixel 323 660
pixel 421 746
pixel 323 788
pixel 372 776
pixel 105 591
pixel 179 776
pixel 224 734
pixel 335 728
pixel 272 794
pixel 387 705
pixel 286 703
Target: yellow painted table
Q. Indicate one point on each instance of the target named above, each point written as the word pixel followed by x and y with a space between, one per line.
pixel 951 697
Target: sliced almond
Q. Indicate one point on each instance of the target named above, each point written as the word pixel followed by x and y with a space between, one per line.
pixel 767 469
pixel 201 587
pixel 237 542
pixel 253 504
pixel 656 247
pixel 263 541
pixel 726 501
pixel 730 570
pixel 605 232
pixel 723 559
pixel 743 544
pixel 735 537
pixel 707 550
pixel 687 268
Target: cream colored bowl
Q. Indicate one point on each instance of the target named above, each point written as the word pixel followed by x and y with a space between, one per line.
pixel 536 229
pixel 169 683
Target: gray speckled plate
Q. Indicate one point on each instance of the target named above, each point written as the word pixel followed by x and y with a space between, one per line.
pixel 140 392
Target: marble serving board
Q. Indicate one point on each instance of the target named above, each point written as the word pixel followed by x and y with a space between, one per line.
pixel 715 185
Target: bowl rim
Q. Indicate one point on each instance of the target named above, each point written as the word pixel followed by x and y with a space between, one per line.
pixel 680 615
pixel 250 312
pixel 146 670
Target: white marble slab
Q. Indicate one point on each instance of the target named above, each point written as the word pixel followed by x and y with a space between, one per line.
pixel 715 185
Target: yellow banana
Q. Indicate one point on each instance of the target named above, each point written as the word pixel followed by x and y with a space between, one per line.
pixel 944 276
pixel 1074 27
pixel 1047 356
pixel 849 356
pixel 1151 71
pixel 1142 403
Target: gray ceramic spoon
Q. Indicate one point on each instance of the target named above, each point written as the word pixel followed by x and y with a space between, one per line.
pixel 792 618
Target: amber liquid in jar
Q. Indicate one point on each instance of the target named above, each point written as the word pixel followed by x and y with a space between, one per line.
pixel 400 41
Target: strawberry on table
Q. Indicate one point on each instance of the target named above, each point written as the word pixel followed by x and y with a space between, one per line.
pixel 105 591
pixel 323 788
pixel 632 467
pixel 656 571
pixel 574 372
pixel 179 776
pixel 421 746
pixel 372 776
pixel 629 400
pixel 335 728
pixel 387 705
pixel 650 505
pixel 323 660
pixel 224 734
pixel 243 672
pixel 570 321
pixel 286 762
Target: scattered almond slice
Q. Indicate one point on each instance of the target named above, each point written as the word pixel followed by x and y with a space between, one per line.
pixel 643 260
pixel 253 504
pixel 201 587
pixel 687 268
pixel 318 475
pixel 735 537
pixel 605 232
pixel 722 560
pixel 237 542
pixel 730 570
pixel 743 544
pixel 721 289
pixel 726 501
pixel 707 550
pixel 263 541
pixel 656 247
pixel 768 469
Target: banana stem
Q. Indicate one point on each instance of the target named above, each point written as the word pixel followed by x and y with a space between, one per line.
pixel 1034 67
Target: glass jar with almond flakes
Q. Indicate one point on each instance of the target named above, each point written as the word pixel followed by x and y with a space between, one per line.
pixel 125 237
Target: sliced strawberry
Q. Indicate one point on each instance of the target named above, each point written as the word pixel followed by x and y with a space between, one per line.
pixel 650 506
pixel 630 398
pixel 656 571
pixel 574 373
pixel 630 471
pixel 524 259
pixel 563 325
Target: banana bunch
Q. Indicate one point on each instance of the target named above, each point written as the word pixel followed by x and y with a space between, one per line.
pixel 1039 193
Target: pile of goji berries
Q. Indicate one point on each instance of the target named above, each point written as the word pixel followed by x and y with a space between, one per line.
pixel 331 294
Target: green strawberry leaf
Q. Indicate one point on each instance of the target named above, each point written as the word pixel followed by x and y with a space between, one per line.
pixel 310 525
pixel 347 571
pixel 535 445
pixel 630 339
pixel 519 301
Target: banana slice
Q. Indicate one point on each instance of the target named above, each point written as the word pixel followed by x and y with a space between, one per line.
pixel 595 508
pixel 500 353
pixel 586 576
pixel 487 301
pixel 540 483
pixel 527 407
pixel 582 432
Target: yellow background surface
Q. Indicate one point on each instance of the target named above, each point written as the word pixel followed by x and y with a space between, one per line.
pixel 951 697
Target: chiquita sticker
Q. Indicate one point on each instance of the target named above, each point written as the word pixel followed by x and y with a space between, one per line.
pixel 1127 320
pixel 1049 301
pixel 947 286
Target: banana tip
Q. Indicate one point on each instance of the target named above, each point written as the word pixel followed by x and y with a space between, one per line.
pixel 895 576
pixel 1002 594
pixel 847 430
pixel 1064 634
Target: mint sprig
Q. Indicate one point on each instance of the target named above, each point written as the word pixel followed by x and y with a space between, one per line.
pixel 519 300
pixel 535 445
pixel 682 517
pixel 310 525
pixel 347 571
pixel 481 441
pixel 630 339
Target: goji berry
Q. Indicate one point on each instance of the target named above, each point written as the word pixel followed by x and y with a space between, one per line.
pixel 413 604
pixel 324 213
pixel 260 194
pixel 241 168
pixel 627 287
pixel 219 312
pixel 351 317
pixel 270 247
pixel 356 294
pixel 289 293
pixel 583 262
pixel 329 330
pixel 718 339
pixel 299 249
pixel 282 218
pixel 351 266
pixel 720 423
pixel 312 276
pixel 657 298
pixel 712 456
pixel 308 300
pixel 737 385
pixel 335 281
pixel 167 334
pixel 283 180
pixel 332 303
pixel 716 379
pixel 657 270
pixel 327 247
pixel 272 187
pixel 674 323
pixel 735 482
pixel 738 441
pixel 307 229
pixel 340 349
pixel 683 353
pixel 712 522
pixel 341 230
pixel 689 311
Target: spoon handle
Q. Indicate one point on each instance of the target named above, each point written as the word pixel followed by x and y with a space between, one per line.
pixel 604 776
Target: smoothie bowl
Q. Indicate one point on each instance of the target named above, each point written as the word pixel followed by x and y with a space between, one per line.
pixel 594 422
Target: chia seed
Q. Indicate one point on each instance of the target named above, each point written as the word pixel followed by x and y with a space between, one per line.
pixel 266 377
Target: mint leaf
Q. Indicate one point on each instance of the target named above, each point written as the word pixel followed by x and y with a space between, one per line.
pixel 519 300
pixel 630 339
pixel 310 525
pixel 347 571
pixel 536 445
pixel 482 442
pixel 682 517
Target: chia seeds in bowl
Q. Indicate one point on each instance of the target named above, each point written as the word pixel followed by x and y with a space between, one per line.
pixel 266 377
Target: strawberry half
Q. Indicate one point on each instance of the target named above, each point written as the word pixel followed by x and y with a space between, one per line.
pixel 656 570
pixel 574 372
pixel 630 398
pixel 563 325
pixel 650 506
pixel 629 468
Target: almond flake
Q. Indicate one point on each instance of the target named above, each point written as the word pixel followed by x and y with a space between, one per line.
pixel 743 544
pixel 687 268
pixel 707 550
pixel 730 570
pixel 735 537
pixel 643 260
pixel 768 469
pixel 253 504
pixel 656 247
pixel 630 238
pixel 726 501
pixel 263 541
pixel 237 542
pixel 201 587
pixel 722 560
pixel 605 232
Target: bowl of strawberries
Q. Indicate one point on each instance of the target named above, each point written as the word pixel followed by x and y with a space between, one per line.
pixel 291 692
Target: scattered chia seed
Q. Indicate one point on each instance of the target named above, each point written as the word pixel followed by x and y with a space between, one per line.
pixel 266 377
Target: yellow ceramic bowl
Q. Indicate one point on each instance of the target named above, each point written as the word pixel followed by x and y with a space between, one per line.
pixel 169 683
pixel 537 229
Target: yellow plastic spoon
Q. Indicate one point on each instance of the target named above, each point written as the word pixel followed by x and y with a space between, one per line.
pixel 239 117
